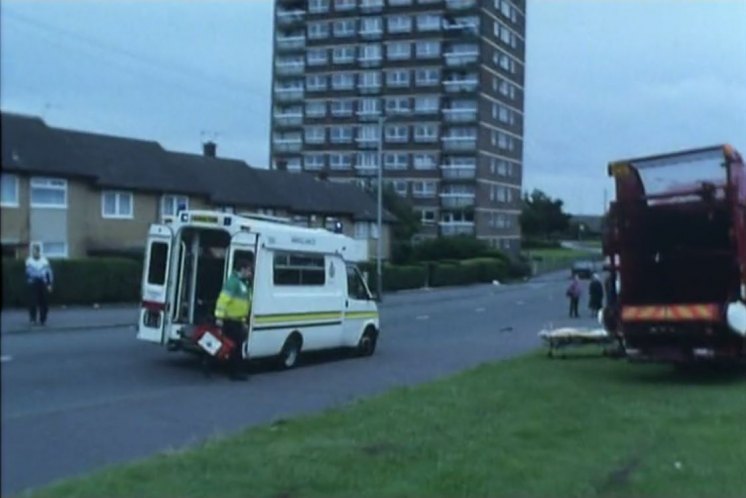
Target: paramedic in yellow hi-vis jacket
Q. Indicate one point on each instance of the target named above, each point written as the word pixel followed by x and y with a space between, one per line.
pixel 232 312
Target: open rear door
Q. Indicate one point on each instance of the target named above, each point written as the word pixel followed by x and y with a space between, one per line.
pixel 155 284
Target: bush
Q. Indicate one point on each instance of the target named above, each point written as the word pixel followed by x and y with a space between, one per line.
pixel 395 277
pixel 458 248
pixel 488 269
pixel 453 274
pixel 78 281
pixel 531 243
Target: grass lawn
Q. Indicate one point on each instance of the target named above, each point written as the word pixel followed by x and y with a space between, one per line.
pixel 583 426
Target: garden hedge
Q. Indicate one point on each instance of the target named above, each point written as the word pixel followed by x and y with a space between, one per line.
pixel 78 281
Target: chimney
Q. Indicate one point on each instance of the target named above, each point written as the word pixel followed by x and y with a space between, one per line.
pixel 209 149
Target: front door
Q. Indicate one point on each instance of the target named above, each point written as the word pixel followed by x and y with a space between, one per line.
pixel 359 307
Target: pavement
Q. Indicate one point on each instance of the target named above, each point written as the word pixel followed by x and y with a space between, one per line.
pixel 16 321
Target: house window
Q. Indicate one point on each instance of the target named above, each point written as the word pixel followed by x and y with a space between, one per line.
pixel 362 230
pixel 370 52
pixel 428 22
pixel 397 133
pixel 116 204
pixel 398 78
pixel 426 105
pixel 315 135
pixel 342 107
pixel 427 77
pixel 370 79
pixel 367 133
pixel 399 50
pixel 9 185
pixel 427 49
pixel 172 204
pixel 340 161
pixel 343 81
pixel 343 55
pixel 316 83
pixel 424 188
pixel 48 192
pixel 427 216
pixel 367 160
pixel 314 161
pixel 396 161
pixel 317 57
pixel 426 133
pixel 369 106
pixel 397 105
pixel 341 134
pixel 316 109
pixel 371 26
pixel 344 28
pixel 401 187
pixel 54 249
pixel 425 161
pixel 400 24
pixel 344 5
pixel 318 30
pixel 318 6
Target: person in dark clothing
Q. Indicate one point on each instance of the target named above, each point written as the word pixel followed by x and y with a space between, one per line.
pixel 39 278
pixel 595 295
pixel 573 293
pixel 611 292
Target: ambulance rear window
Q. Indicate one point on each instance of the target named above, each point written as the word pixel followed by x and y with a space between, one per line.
pixel 157 264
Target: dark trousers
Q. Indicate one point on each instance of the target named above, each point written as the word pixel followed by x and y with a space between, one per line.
pixel 38 300
pixel 237 332
pixel 574 307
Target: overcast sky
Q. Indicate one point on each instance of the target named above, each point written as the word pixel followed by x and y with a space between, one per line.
pixel 605 79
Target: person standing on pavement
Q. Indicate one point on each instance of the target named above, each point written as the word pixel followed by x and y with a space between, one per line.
pixel 595 295
pixel 39 278
pixel 232 312
pixel 573 293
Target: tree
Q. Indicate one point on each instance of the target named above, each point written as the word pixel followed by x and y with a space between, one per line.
pixel 542 217
pixel 407 223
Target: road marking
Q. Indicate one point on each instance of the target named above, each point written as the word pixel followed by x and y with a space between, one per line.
pixel 519 303
pixel 479 310
pixel 423 317
pixel 4 358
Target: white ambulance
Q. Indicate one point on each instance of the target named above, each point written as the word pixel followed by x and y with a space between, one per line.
pixel 308 295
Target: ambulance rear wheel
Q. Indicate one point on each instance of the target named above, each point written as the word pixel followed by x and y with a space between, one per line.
pixel 290 351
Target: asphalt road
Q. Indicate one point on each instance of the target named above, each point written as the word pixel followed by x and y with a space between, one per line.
pixel 76 401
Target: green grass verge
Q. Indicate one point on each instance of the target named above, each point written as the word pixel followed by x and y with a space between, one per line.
pixel 585 426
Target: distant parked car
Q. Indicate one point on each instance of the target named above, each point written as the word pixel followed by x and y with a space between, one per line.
pixel 583 269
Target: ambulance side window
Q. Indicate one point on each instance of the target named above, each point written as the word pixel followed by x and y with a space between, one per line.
pixel 157 265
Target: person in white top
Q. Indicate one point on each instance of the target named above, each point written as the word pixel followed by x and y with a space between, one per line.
pixel 39 277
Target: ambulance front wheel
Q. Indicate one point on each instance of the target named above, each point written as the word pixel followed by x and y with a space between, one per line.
pixel 291 351
pixel 367 344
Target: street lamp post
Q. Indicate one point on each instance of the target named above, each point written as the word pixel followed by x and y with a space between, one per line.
pixel 379 241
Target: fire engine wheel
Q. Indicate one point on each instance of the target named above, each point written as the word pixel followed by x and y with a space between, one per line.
pixel 291 351
pixel 367 344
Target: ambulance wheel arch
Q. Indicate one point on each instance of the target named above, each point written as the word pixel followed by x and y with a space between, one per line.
pixel 291 350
